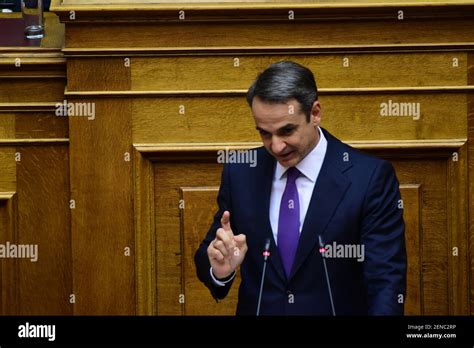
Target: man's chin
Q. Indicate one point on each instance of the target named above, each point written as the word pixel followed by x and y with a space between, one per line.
pixel 291 161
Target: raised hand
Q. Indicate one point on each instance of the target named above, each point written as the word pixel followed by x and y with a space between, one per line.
pixel 226 252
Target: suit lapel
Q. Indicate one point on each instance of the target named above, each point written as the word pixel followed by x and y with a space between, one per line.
pixel 329 189
pixel 262 208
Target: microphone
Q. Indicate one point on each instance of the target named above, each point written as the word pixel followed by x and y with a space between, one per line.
pixel 266 254
pixel 321 250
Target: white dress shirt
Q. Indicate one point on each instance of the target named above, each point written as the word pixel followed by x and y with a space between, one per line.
pixel 310 166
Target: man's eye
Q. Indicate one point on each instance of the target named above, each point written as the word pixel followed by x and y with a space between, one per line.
pixel 287 131
pixel 264 134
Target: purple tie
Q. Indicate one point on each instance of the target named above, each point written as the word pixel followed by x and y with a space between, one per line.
pixel 289 220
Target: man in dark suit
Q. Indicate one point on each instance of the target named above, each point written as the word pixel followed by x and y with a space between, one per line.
pixel 314 197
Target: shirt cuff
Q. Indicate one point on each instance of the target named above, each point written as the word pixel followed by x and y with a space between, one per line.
pixel 221 282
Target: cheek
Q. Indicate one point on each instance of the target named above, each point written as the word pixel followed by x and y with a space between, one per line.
pixel 296 141
pixel 267 143
pixel 306 137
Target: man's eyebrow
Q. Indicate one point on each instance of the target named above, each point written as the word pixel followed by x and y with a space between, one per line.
pixel 261 129
pixel 286 128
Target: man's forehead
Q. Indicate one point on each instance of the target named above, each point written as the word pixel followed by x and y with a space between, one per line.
pixel 263 102
pixel 276 109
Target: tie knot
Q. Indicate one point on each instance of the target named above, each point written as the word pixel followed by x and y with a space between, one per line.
pixel 292 174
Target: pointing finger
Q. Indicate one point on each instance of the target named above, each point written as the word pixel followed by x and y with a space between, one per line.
pixel 225 221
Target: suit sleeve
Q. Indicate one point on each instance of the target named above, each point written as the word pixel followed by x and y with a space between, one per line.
pixel 383 237
pixel 200 258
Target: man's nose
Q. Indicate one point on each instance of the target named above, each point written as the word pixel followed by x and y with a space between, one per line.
pixel 278 145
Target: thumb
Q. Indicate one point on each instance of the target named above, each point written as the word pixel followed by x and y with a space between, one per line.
pixel 225 221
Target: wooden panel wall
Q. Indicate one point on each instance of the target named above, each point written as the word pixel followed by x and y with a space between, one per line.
pixel 102 222
pixel 118 203
pixel 34 178
pixel 183 95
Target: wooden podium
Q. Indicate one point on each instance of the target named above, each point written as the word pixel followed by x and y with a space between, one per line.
pixel 129 194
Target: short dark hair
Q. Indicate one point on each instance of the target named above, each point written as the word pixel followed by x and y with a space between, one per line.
pixel 283 81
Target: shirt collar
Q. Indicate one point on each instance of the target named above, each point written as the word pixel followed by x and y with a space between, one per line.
pixel 307 164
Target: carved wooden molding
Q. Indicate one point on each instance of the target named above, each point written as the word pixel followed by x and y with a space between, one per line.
pixel 242 51
pixel 145 253
pixel 177 148
pixel 210 10
pixel 243 92
pixel 34 142
pixel 27 107
pixel 9 271
pixel 5 196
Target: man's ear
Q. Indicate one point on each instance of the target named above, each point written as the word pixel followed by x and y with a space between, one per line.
pixel 316 113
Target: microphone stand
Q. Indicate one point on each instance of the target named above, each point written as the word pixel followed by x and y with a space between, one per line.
pixel 322 249
pixel 266 254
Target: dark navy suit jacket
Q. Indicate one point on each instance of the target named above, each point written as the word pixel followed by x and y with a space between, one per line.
pixel 355 201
